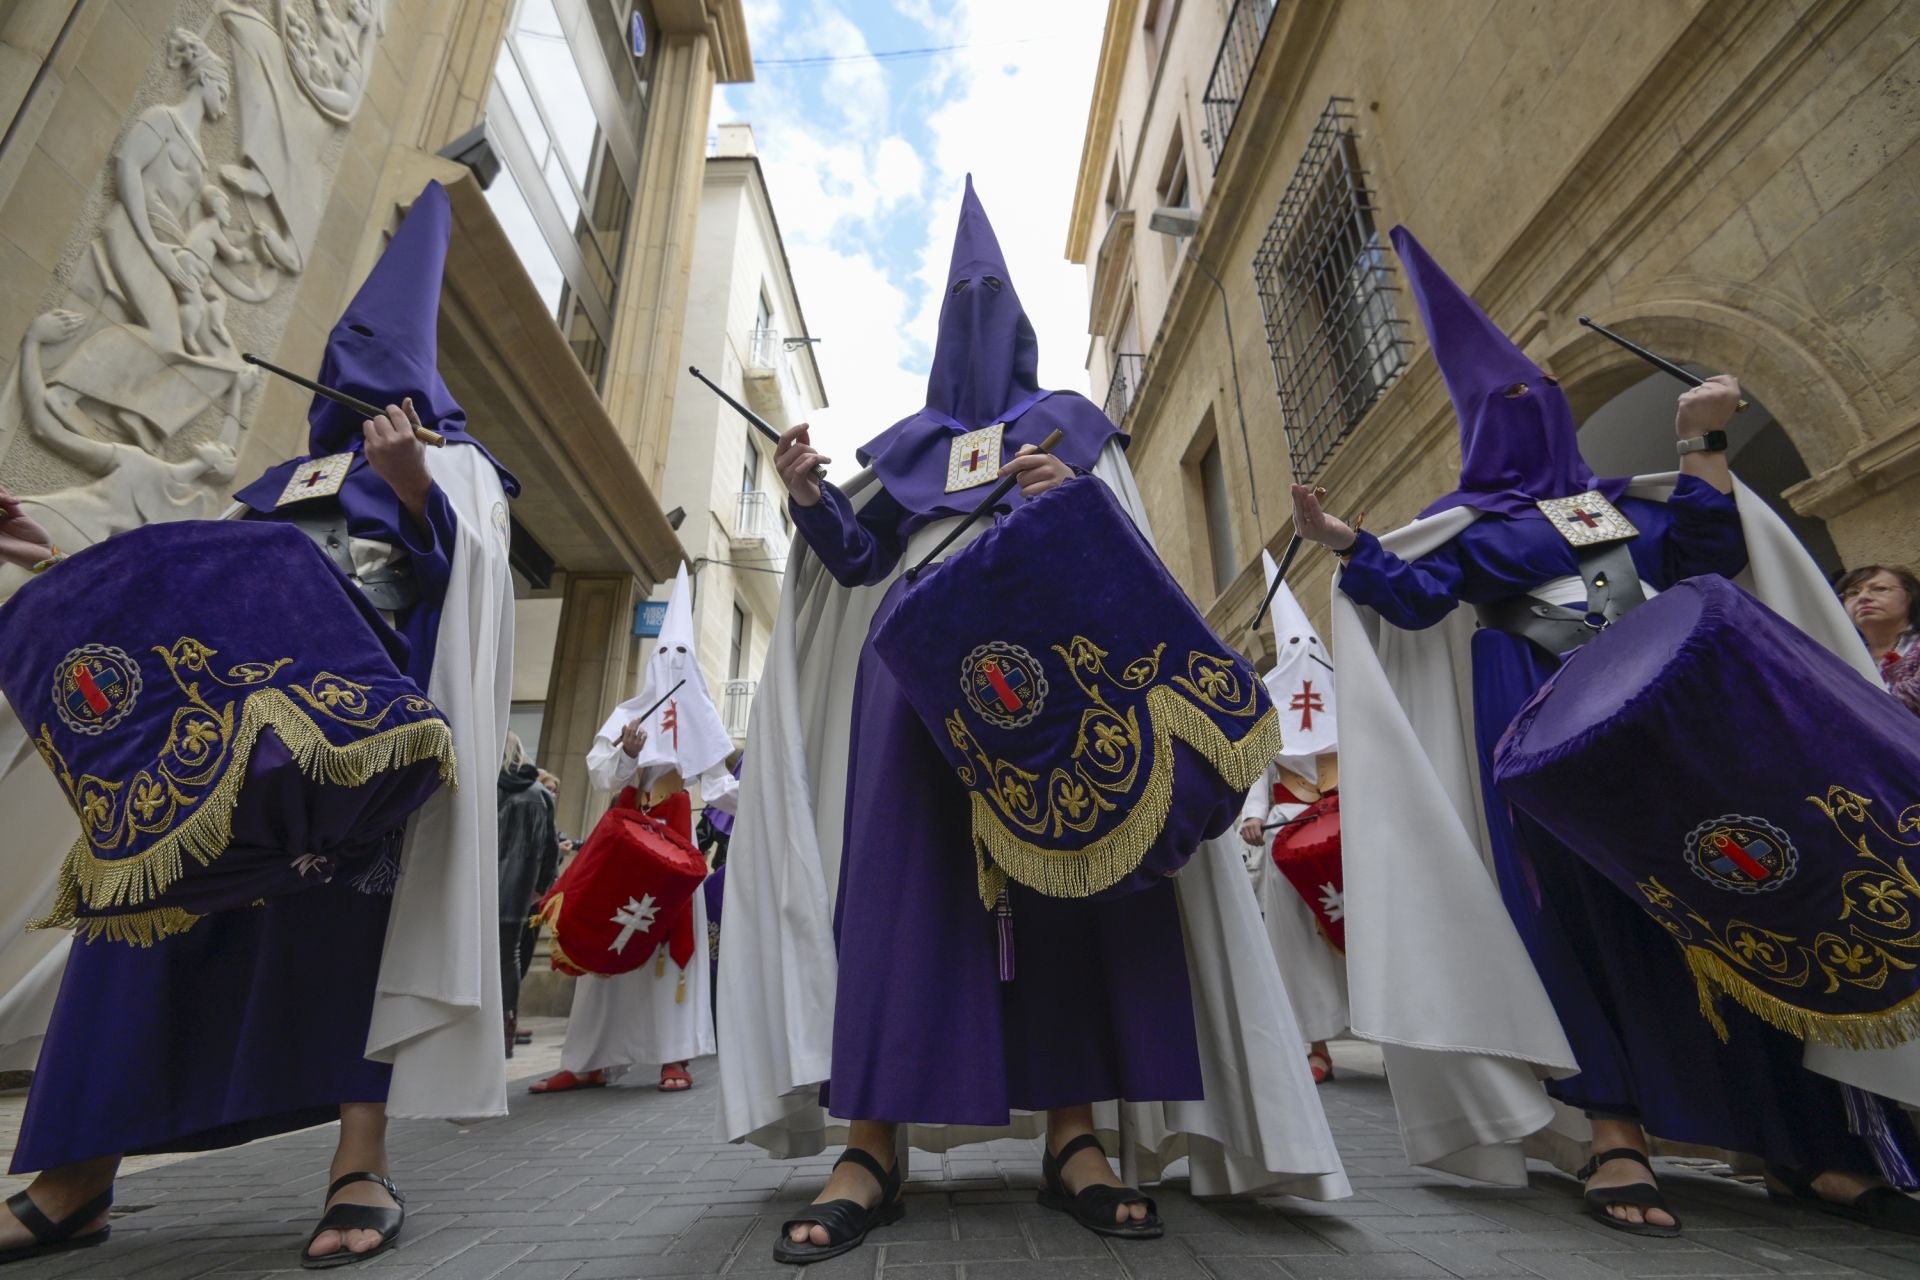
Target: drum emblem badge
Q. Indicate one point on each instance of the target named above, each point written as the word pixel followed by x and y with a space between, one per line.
pixel 94 688
pixel 1741 854
pixel 1587 519
pixel 1004 684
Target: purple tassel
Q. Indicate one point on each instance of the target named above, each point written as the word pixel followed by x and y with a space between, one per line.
pixel 1003 914
pixel 1867 1120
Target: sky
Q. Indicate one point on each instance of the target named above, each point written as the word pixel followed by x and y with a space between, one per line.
pixel 866 159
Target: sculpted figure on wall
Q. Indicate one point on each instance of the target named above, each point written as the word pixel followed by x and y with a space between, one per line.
pixel 142 351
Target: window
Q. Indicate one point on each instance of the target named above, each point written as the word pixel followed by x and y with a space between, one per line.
pixel 1114 195
pixel 566 113
pixel 1213 493
pixel 763 314
pixel 1173 173
pixel 750 469
pixel 1326 288
pixel 1155 23
pixel 737 643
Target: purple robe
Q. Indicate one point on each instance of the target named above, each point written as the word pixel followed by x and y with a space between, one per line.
pixel 924 1029
pixel 254 1021
pixel 1618 983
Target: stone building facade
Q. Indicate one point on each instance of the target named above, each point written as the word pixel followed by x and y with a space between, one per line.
pixel 182 181
pixel 1731 183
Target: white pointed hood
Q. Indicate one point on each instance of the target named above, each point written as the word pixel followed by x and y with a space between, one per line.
pixel 685 734
pixel 1301 681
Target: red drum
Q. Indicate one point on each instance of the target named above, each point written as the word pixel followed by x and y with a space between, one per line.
pixel 630 887
pixel 1307 851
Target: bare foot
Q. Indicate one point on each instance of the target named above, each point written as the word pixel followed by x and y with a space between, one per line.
pixel 358 1240
pixel 1609 1135
pixel 850 1181
pixel 59 1193
pixel 1088 1167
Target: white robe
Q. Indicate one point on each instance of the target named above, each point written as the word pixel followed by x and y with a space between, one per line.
pixel 437 1014
pixel 1260 1126
pixel 1315 974
pixel 644 1017
pixel 1438 975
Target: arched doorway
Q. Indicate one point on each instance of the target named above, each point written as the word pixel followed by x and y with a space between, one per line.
pixel 1632 434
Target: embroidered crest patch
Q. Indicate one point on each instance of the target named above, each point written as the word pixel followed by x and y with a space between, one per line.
pixel 94 687
pixel 1587 519
pixel 975 458
pixel 1004 684
pixel 1741 854
pixel 501 524
pixel 316 478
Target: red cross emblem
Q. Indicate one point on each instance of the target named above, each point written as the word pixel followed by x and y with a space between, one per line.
pixel 1306 702
pixel 670 723
pixel 314 479
pixel 973 459
pixel 1002 685
pixel 1584 518
pixel 89 690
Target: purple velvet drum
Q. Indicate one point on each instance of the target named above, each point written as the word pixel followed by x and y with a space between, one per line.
pixel 1100 727
pixel 1753 794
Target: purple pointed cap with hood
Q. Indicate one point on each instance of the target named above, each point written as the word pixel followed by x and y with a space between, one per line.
pixel 385 346
pixel 1515 449
pixel 985 370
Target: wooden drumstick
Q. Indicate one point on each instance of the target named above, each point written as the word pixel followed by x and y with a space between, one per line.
pixel 1000 491
pixel 425 435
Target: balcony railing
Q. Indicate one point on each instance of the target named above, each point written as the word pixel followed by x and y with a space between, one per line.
pixel 736 705
pixel 764 352
pixel 756 522
pixel 1232 68
pixel 1122 385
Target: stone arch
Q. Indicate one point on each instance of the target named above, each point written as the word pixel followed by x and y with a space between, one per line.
pixel 1818 414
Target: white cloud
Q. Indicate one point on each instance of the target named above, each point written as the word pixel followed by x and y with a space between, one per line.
pixel 868 218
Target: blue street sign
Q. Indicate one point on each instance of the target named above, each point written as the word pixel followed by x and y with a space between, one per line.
pixel 639 28
pixel 647 617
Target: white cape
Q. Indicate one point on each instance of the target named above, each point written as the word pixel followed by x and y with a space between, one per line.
pixel 437 1016
pixel 1260 1126
pixel 1439 977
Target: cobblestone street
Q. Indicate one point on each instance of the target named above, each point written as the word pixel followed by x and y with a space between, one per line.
pixel 627 1182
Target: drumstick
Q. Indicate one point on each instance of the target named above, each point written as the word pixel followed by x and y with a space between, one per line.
pixel 760 424
pixel 1290 822
pixel 663 699
pixel 1280 575
pixel 1659 362
pixel 992 500
pixel 424 435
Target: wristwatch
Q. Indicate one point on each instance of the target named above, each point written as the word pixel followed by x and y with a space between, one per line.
pixel 1712 442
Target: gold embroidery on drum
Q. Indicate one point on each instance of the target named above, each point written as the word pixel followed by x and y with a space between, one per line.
pixel 1874 935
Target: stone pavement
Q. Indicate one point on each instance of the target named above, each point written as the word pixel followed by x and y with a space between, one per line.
pixel 628 1183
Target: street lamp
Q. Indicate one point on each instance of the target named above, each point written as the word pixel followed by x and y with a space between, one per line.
pixel 1183 224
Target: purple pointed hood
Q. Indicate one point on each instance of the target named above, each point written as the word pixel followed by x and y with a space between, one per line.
pixel 986 370
pixel 1516 446
pixel 385 346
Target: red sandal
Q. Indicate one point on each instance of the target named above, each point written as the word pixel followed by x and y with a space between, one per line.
pixel 1322 1067
pixel 566 1081
pixel 674 1078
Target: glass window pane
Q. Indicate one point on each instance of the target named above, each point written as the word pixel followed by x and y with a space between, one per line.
pixel 513 87
pixel 516 219
pixel 551 68
pixel 562 188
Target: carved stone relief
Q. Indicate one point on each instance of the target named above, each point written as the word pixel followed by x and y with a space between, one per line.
pixel 126 406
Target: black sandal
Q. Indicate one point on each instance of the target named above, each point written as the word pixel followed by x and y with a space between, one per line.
pixel 847 1221
pixel 1881 1207
pixel 356 1217
pixel 1641 1195
pixel 1093 1207
pixel 51 1237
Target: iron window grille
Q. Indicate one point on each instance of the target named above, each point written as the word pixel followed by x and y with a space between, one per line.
pixel 1232 67
pixel 1327 291
pixel 1121 387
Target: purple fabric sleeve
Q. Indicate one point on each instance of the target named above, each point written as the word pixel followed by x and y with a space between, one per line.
pixel 430 544
pixel 858 548
pixel 1705 535
pixel 1410 596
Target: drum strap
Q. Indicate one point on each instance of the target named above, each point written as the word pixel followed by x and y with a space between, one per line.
pixel 1613 589
pixel 390 588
